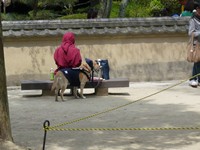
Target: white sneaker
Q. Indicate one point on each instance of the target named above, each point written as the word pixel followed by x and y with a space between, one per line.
pixel 193 83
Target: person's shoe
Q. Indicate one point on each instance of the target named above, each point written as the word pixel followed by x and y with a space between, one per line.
pixel 193 83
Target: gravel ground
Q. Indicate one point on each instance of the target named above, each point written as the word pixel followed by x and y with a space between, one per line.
pixel 145 105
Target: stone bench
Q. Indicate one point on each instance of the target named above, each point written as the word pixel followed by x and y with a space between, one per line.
pixel 101 88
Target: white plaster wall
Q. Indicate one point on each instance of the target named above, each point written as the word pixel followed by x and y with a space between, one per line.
pixel 139 58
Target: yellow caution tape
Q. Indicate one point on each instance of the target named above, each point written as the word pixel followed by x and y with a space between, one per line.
pixel 115 108
pixel 121 129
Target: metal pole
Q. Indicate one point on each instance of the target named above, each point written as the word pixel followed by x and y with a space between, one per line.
pixel 46 125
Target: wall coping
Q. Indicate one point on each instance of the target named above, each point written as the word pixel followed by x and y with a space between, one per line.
pixel 117 26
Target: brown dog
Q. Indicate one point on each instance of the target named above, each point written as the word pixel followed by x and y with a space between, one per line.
pixel 61 82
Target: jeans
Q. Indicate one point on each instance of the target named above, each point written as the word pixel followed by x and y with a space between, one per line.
pixel 195 71
pixel 105 69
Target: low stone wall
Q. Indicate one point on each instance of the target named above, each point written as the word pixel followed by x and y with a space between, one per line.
pixel 139 57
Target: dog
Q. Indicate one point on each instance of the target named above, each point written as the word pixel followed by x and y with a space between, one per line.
pixel 84 73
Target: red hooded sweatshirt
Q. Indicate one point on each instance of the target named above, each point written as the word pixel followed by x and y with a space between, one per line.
pixel 67 55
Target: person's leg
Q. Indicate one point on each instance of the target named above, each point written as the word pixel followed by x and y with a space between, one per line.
pixel 105 69
pixel 193 81
pixel 196 71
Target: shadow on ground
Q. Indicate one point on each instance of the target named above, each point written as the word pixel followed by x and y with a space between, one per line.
pixel 173 108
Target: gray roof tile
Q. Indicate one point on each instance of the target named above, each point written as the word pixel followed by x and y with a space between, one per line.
pixel 118 26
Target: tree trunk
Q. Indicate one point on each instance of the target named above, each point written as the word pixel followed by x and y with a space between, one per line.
pixel 105 8
pixel 5 128
pixel 4 7
pixel 35 8
pixel 122 8
pixel 6 3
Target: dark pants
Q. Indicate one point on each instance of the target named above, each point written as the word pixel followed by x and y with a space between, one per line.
pixel 195 71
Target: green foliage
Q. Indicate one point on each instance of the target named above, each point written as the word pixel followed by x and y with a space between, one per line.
pixel 66 5
pixel 42 14
pixel 156 7
pixel 140 2
pixel 81 10
pixel 63 9
pixel 173 6
pixel 137 10
pixel 28 1
pixel 14 16
pixel 46 2
pixel 115 9
pixel 74 16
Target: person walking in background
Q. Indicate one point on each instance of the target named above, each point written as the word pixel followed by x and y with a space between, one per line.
pixel 188 8
pixel 67 55
pixel 194 28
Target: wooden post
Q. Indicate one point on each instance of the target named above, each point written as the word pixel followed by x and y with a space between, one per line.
pixel 101 91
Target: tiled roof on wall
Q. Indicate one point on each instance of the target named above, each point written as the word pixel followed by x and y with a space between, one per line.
pixel 157 25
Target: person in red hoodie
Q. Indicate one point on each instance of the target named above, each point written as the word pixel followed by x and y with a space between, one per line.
pixel 67 55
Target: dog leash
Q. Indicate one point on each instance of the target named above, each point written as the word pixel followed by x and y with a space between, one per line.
pixel 99 80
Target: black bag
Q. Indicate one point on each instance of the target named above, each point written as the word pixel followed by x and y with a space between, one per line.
pixel 105 68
